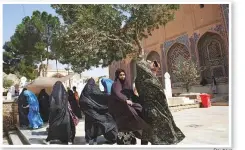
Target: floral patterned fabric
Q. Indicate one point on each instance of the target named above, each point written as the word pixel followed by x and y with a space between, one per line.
pixel 156 112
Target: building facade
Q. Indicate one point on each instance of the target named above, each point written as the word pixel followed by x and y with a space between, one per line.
pixel 199 32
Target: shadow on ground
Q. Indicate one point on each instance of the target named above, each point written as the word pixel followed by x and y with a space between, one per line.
pixel 39 133
pixel 80 140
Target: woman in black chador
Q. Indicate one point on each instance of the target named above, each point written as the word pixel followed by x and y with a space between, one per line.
pixel 44 105
pixel 98 121
pixel 23 112
pixel 61 119
pixel 74 105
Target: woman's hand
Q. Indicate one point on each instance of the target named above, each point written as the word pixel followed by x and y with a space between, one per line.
pixel 129 102
pixel 135 92
pixel 26 106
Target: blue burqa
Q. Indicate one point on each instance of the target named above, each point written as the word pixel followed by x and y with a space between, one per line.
pixel 35 120
pixel 107 83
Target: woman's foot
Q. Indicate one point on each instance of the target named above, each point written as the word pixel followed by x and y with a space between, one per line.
pixel 93 142
pixel 110 142
pixel 144 142
pixel 65 142
pixel 46 142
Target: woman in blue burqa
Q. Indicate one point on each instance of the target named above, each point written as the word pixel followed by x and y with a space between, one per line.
pixel 44 104
pixel 107 83
pixel 35 120
pixel 163 130
pixel 62 121
pixel 98 121
pixel 23 112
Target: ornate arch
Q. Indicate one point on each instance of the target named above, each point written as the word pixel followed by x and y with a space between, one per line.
pixel 212 57
pixel 152 56
pixel 177 52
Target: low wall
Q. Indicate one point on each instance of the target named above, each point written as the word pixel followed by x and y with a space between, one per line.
pixel 10 115
pixel 222 88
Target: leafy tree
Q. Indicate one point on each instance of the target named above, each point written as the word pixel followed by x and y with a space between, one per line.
pixel 96 35
pixel 30 44
pixel 46 25
pixel 7 83
pixel 187 73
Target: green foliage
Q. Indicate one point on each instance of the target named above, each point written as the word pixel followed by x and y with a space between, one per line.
pixel 27 47
pixel 96 35
pixel 187 73
pixel 92 35
pixel 7 83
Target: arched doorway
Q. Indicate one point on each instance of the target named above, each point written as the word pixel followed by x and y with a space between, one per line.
pixel 154 56
pixel 177 53
pixel 212 57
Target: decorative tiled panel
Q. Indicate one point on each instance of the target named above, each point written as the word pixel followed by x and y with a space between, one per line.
pixel 225 10
pixel 219 29
pixel 218 71
pixel 212 56
pixel 182 39
pixel 177 54
pixel 193 44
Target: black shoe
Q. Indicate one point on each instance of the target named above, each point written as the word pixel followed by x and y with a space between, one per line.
pixel 110 142
pixel 92 142
pixel 133 141
pixel 144 142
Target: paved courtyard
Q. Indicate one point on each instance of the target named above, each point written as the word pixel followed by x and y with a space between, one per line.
pixel 202 126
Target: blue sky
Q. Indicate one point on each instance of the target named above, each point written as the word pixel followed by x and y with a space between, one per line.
pixel 13 15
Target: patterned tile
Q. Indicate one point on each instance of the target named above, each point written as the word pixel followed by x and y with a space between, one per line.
pixel 181 39
pixel 225 10
pixel 219 29
pixel 193 44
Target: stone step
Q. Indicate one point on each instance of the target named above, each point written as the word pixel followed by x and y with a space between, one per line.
pixel 14 138
pixel 192 96
pixel 5 140
pixel 22 136
pixel 37 137
pixel 175 101
pixel 190 101
pixel 32 137
pixel 220 98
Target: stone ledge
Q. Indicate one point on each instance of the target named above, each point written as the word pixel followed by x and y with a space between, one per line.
pixel 220 104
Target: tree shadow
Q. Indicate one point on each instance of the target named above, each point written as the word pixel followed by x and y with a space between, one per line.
pixel 36 140
pixel 39 133
pixel 80 140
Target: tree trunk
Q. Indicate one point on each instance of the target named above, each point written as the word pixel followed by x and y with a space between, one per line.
pixel 140 49
pixel 68 74
pixel 41 67
pixel 56 65
pixel 187 88
pixel 46 73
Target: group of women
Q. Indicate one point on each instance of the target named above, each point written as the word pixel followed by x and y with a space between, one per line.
pixel 120 113
pixel 60 110
pixel 126 113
